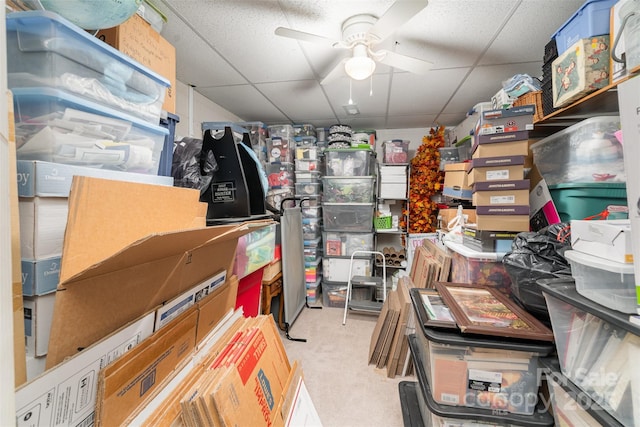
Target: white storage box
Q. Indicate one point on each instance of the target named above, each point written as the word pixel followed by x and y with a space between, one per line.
pixel 336 269
pixel 42 224
pixel 47 50
pixel 54 126
pixel 41 276
pixel 38 314
pixel 609 283
pixel 607 239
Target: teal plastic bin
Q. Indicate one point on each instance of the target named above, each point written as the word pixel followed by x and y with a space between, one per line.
pixel 582 200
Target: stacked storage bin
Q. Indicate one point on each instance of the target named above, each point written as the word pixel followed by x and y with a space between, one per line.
pixel 308 166
pixel 347 210
pixel 467 379
pixel 280 166
pixel 583 165
pixel 80 108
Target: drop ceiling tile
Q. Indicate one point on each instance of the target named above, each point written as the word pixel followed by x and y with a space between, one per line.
pixel 423 94
pixel 374 104
pixel 410 121
pixel 298 99
pixel 247 100
pixel 533 24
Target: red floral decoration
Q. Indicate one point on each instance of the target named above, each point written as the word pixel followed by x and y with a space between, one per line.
pixel 426 180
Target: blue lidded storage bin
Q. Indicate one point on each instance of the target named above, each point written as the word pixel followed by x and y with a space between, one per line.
pixel 47 50
pixel 55 126
pixel 592 19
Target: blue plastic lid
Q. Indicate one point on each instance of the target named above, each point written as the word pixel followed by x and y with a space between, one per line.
pixel 39 20
pixel 93 107
pixel 579 12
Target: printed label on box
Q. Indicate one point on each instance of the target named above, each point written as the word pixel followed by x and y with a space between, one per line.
pixel 485 380
pixel 496 175
pixel 502 200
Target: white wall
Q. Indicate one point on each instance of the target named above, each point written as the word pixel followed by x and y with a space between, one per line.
pixel 202 110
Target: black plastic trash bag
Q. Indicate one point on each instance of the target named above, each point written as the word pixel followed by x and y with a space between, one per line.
pixel 186 166
pixel 534 256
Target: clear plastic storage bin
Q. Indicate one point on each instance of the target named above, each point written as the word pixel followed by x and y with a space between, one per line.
pixel 347 162
pixel 347 216
pixel 585 152
pixel 336 269
pixel 280 175
pixel 344 244
pixel 308 189
pixel 46 50
pixel 340 189
pixel 597 350
pixel 55 126
pixel 335 294
pixel 609 283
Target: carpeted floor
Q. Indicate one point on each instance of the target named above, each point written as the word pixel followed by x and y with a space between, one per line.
pixel 345 389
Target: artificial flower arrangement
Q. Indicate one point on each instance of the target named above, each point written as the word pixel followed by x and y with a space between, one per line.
pixel 426 180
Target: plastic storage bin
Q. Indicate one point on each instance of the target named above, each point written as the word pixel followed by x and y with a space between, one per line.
pixel 55 126
pixel 592 19
pixel 608 283
pixel 347 216
pixel 585 152
pixel 436 415
pixel 335 294
pixel 307 176
pixel 348 189
pixel 308 189
pixel 570 405
pixel 311 211
pixel 395 151
pixel 478 372
pixel 336 269
pixel 313 270
pixel 344 244
pixel 47 50
pixel 279 150
pixel 166 159
pixel 307 165
pixel 580 201
pixel 478 268
pixel 307 153
pixel 347 162
pixel 311 228
pixel 597 350
pixel 280 175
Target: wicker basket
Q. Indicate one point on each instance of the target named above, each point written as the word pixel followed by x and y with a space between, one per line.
pixel 531 98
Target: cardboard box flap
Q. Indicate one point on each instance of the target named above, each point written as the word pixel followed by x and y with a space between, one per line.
pixel 149 249
pixel 106 216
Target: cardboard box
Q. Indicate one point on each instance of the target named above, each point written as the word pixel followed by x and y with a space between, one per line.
pixel 496 168
pixel 606 239
pixel 502 148
pixel 271 271
pixel 503 222
pixel 140 41
pixel 172 309
pixel 414 241
pixel 583 68
pixel 40 277
pixel 162 249
pixel 455 181
pixel 65 395
pixel 19 357
pixel 42 224
pixel 446 215
pixel 507 120
pixel 501 193
pixel 38 312
pixel 129 381
pixel 212 309
pixel 45 179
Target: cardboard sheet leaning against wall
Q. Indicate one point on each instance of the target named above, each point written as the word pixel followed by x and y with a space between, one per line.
pixel 128 248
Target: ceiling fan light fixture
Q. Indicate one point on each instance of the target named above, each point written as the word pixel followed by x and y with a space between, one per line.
pixel 360 66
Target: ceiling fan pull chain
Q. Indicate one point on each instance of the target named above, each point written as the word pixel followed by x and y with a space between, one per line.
pixel 371 85
pixel 350 99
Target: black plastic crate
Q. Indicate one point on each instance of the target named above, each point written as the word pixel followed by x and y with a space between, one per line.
pixel 550 51
pixel 547 71
pixel 547 98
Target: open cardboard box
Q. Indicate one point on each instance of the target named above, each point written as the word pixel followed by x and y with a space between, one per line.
pixel 129 247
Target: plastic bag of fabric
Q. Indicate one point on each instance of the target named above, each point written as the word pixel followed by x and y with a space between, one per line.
pixel 534 256
pixel 185 167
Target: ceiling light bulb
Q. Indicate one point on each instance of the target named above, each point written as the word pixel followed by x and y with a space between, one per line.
pixel 360 67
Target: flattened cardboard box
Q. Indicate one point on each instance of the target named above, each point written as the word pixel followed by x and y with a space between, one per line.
pixel 121 259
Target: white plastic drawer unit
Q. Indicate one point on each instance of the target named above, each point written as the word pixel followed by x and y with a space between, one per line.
pixel 46 50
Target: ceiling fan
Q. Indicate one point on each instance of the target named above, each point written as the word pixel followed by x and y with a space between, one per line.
pixel 360 34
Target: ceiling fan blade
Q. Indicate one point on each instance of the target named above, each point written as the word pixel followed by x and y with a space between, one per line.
pixel 403 62
pixel 307 37
pixel 400 12
pixel 335 73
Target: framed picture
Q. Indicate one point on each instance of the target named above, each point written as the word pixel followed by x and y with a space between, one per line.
pixel 485 310
pixel 433 310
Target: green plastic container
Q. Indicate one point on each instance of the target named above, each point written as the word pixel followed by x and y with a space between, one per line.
pixel 582 200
